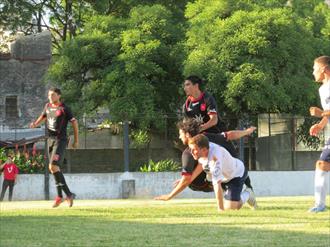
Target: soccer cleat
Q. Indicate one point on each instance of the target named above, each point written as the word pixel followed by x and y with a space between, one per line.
pixel 70 199
pixel 252 199
pixel 317 209
pixel 58 201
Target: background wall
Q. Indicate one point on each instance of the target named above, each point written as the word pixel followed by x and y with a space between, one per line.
pixel 148 185
pixel 21 75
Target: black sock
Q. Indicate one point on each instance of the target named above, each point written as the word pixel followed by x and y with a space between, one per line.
pixel 57 177
pixel 248 183
pixel 64 185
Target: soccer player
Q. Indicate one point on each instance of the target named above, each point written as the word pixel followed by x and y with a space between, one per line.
pixel 187 129
pixel 201 106
pixel 10 171
pixel 57 116
pixel 226 171
pixel 321 72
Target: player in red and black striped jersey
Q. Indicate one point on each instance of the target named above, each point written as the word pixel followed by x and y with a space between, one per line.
pixel 201 106
pixel 198 182
pixel 57 115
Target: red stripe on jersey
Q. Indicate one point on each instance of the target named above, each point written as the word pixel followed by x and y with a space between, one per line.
pixel 186 174
pixel 193 100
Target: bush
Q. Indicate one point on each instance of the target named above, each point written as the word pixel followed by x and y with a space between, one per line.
pixel 160 166
pixel 25 162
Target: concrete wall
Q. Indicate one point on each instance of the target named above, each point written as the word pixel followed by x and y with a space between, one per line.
pixel 275 154
pixel 148 185
pixel 21 75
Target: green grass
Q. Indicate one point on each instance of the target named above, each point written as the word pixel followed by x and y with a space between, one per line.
pixel 279 221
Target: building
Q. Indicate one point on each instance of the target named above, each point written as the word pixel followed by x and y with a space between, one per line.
pixel 22 84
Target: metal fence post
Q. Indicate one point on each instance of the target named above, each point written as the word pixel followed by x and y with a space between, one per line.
pixel 46 171
pixel 85 131
pixel 126 146
pixel 241 141
pixel 293 143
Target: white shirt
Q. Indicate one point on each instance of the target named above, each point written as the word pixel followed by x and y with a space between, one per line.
pixel 324 92
pixel 222 166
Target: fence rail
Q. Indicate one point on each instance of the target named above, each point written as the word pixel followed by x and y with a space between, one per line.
pixel 281 142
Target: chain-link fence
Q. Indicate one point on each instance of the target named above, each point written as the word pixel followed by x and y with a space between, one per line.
pixel 281 142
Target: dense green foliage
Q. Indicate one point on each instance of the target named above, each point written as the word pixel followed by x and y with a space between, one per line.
pixel 131 56
pixel 127 64
pixel 26 161
pixel 257 59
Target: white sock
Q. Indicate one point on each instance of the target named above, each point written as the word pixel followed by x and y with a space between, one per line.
pixel 245 196
pixel 320 187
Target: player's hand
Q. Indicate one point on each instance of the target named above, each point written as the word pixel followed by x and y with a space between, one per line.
pixel 75 145
pixel 315 111
pixel 162 198
pixel 176 182
pixel 220 210
pixel 33 125
pixel 250 130
pixel 315 129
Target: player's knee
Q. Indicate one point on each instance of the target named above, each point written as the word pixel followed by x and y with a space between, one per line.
pixel 322 165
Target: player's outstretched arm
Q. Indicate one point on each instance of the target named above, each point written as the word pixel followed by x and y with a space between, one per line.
pixel 37 122
pixel 237 134
pixel 219 196
pixel 75 134
pixel 316 128
pixel 180 186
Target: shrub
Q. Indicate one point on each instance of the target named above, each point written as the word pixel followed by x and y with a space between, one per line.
pixel 160 166
pixel 27 164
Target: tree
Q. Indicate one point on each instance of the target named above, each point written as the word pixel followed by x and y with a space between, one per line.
pixel 254 60
pixel 130 65
pixel 66 19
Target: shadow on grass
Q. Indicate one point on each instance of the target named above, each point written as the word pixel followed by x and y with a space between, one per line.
pixel 103 230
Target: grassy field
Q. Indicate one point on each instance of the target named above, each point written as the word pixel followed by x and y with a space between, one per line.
pixel 279 221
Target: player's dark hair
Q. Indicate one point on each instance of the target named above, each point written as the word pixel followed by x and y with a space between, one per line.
pixel 190 126
pixel 195 80
pixel 56 90
pixel 200 140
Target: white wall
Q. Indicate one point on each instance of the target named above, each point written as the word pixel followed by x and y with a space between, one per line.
pixel 148 185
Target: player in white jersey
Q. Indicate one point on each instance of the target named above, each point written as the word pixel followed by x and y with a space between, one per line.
pixel 226 172
pixel 321 72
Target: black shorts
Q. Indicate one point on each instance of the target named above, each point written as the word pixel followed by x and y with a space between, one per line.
pixel 56 149
pixel 201 184
pixel 325 155
pixel 233 188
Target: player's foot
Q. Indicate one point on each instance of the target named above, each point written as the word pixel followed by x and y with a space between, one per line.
pixel 252 199
pixel 57 202
pixel 317 209
pixel 70 199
